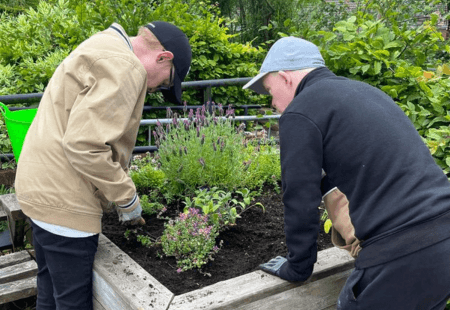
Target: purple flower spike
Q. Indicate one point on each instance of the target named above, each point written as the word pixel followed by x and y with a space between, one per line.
pixel 202 162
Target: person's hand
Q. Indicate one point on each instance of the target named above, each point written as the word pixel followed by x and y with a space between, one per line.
pixel 133 218
pixel 274 265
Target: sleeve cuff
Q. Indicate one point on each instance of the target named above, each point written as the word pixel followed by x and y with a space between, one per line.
pixel 131 203
pixel 329 192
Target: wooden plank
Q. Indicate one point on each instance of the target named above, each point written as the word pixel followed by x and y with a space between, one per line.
pixel 11 206
pixel 18 289
pixel 120 283
pixel 317 295
pixel 16 218
pixel 18 271
pixel 97 304
pixel 14 258
pixel 258 285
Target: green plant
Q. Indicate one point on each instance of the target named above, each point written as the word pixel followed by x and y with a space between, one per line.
pixel 206 150
pixel 262 166
pixel 221 206
pixel 147 177
pixel 4 190
pixel 150 208
pixel 3 226
pixel 191 239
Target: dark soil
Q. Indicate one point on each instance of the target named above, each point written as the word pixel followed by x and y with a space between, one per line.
pixel 255 239
pixel 7 177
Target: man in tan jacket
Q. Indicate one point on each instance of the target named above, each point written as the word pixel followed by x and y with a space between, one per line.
pixel 74 161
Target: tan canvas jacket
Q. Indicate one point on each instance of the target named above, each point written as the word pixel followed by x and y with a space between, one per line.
pixel 76 152
pixel 342 231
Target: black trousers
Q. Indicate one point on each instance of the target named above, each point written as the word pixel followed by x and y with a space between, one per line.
pixel 418 281
pixel 64 280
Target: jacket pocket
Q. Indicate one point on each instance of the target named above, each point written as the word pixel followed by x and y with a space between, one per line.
pixel 353 286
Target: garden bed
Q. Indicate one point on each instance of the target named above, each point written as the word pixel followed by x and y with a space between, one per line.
pixel 257 237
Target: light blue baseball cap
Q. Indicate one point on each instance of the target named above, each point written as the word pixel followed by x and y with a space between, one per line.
pixel 288 53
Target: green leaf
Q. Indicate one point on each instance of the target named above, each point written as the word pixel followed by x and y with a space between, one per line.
pixel 447 160
pixel 365 68
pixel 327 226
pixel 377 67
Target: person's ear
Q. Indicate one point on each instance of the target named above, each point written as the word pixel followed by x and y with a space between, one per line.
pixel 285 76
pixel 164 56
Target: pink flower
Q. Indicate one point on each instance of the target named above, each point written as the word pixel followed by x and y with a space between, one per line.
pixel 179 270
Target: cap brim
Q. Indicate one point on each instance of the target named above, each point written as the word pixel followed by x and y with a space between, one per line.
pixel 173 95
pixel 256 84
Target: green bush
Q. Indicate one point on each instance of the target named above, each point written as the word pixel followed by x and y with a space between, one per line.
pixel 208 150
pixel 147 178
pixel 15 7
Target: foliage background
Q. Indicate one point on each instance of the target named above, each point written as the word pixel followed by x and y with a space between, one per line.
pixel 230 39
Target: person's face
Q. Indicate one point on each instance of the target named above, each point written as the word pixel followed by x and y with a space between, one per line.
pixel 165 84
pixel 280 87
pixel 157 63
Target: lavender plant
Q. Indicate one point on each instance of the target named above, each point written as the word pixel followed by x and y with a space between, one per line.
pixel 203 149
pixel 191 239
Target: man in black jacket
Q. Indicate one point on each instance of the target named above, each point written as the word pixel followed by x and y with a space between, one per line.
pixel 399 198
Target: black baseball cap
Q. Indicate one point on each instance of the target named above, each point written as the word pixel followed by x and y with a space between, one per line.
pixel 174 40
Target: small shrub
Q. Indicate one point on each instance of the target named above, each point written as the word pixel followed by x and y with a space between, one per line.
pixel 147 178
pixel 150 206
pixel 206 149
pixel 191 239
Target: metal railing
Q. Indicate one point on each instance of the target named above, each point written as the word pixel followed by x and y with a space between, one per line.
pixel 207 97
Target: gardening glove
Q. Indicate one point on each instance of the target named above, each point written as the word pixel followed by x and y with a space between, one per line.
pixel 342 230
pixel 130 217
pixel 274 265
pixel 279 266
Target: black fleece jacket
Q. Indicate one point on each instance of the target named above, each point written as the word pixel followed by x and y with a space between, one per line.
pixel 399 197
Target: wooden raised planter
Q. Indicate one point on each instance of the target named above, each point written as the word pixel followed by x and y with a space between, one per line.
pixel 120 283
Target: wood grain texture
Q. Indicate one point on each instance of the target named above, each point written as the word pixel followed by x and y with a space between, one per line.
pixel 14 258
pixel 317 295
pixel 18 271
pixel 120 283
pixel 258 285
pixel 19 289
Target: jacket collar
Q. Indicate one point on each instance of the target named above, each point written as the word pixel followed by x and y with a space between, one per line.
pixel 117 28
pixel 313 77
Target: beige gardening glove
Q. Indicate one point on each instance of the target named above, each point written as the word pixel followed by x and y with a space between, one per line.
pixel 342 231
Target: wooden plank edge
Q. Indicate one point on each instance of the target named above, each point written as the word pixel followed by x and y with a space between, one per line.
pixel 19 289
pixel 97 305
pixel 11 206
pixel 318 295
pixel 14 258
pixel 17 272
pixel 119 279
pixel 258 285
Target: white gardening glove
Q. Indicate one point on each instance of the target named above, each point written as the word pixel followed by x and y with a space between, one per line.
pixel 134 217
